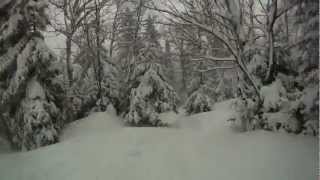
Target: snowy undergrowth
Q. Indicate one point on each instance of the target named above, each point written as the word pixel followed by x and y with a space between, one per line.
pixel 202 147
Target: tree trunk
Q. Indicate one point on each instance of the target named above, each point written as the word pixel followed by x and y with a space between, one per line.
pixel 114 29
pixel 271 19
pixel 244 69
pixel 286 19
pixel 270 71
pixel 183 66
pixel 68 60
pixel 98 43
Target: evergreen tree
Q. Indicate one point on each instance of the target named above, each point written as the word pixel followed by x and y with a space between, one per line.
pixel 30 99
pixel 85 92
pixel 126 36
pixel 307 22
pixel 129 40
pixel 88 91
pixel 150 95
pixel 307 15
pixel 152 36
pixel 198 102
pixel 151 50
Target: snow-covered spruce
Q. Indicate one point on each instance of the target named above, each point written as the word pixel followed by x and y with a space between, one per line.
pixel 278 110
pixel 289 109
pixel 84 94
pixel 38 116
pixel 150 95
pixel 309 103
pixel 273 95
pixel 245 114
pixel 109 84
pixel 198 102
pixel 30 98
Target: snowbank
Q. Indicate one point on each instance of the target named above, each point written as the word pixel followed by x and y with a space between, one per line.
pixel 203 147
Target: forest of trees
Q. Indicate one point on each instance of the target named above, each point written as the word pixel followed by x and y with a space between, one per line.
pixel 143 58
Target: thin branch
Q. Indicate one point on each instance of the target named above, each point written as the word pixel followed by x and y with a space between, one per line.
pixel 211 58
pixel 215 68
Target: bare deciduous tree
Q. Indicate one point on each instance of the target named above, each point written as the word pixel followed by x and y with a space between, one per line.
pixel 73 14
pixel 224 20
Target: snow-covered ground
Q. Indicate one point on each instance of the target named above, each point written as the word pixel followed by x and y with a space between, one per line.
pixel 200 147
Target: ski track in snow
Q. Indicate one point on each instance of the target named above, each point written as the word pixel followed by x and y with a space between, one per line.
pixel 202 147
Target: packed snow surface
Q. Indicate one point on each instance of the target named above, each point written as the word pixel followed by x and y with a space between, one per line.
pixel 199 147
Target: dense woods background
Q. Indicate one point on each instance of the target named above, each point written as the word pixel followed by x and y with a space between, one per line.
pixel 142 58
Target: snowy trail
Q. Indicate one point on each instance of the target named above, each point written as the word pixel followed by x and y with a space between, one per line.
pixel 204 147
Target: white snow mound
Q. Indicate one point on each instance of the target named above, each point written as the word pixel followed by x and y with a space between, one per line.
pixel 202 147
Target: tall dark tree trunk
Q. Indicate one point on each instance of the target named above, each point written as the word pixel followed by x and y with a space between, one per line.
pixel 114 29
pixel 271 64
pixel 98 44
pixel 183 65
pixel 68 59
pixel 271 19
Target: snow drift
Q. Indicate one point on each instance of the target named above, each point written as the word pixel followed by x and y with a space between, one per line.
pixel 201 147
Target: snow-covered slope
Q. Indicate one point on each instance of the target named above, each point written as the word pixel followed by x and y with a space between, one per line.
pixel 200 147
